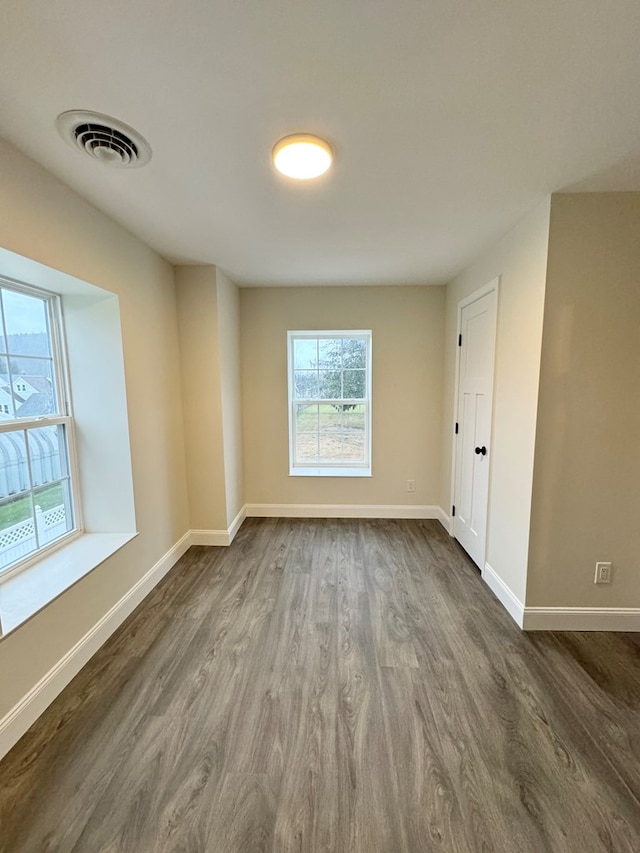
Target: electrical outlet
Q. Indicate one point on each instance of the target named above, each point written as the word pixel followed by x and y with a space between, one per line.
pixel 411 485
pixel 603 573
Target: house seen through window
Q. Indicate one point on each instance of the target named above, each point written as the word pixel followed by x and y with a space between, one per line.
pixel 330 403
pixel 36 490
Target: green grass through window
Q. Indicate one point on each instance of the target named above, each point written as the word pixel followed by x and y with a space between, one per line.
pixel 19 509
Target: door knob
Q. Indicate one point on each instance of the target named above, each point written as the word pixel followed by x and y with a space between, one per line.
pixel 481 450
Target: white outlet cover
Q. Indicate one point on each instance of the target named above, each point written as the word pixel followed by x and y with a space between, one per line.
pixel 603 573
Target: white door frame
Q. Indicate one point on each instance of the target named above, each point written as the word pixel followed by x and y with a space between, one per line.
pixel 494 284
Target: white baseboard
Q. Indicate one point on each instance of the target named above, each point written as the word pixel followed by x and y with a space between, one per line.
pixel 505 596
pixel 342 511
pixel 581 619
pixel 219 537
pixel 560 618
pixel 236 524
pixel 22 716
pixel 445 520
pixel 210 537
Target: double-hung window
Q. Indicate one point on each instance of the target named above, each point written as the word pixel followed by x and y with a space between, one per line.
pixel 37 506
pixel 330 403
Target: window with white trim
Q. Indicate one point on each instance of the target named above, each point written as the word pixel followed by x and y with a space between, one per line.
pixel 329 403
pixel 37 505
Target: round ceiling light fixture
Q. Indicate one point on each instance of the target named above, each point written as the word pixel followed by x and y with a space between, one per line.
pixel 104 138
pixel 302 156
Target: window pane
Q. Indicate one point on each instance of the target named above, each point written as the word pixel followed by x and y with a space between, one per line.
pixel 306 384
pixel 325 371
pixel 355 384
pixel 330 418
pixel 36 504
pixel 307 418
pixel 307 447
pixel 29 520
pixel 53 511
pixel 330 353
pixel 33 387
pixel 354 417
pixel 354 434
pixel 330 384
pixel 354 353
pixel 47 453
pixel 27 325
pixel 17 530
pixel 353 447
pixel 6 399
pixel 305 353
pixel 330 447
pixel 14 470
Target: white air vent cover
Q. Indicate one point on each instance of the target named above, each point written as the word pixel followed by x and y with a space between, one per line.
pixel 103 138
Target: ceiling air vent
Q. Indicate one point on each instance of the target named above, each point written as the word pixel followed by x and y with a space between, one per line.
pixel 105 139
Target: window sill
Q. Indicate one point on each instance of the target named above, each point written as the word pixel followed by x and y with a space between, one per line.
pixel 22 595
pixel 330 472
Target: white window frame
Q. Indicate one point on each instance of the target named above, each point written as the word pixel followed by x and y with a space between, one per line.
pixel 315 469
pixel 62 417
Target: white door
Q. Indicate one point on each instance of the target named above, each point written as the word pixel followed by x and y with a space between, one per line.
pixel 476 349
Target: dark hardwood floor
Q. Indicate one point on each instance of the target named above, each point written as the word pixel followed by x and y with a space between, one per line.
pixel 333 686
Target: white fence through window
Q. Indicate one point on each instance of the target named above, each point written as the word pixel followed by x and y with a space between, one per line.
pixel 20 539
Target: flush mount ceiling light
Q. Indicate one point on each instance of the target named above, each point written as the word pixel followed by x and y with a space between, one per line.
pixel 104 138
pixel 302 156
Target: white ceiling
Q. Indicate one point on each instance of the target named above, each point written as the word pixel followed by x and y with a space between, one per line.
pixel 450 120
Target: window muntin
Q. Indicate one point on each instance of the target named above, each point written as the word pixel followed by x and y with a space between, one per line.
pixel 37 506
pixel 330 402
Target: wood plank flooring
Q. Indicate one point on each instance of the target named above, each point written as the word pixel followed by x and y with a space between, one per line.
pixel 333 686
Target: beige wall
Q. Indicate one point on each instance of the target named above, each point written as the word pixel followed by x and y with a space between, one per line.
pixel 520 259
pixel 407 325
pixel 209 327
pixel 586 497
pixel 43 220
pixel 202 395
pixel 230 382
